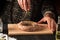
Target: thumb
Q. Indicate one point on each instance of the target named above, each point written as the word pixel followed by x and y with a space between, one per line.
pixel 42 20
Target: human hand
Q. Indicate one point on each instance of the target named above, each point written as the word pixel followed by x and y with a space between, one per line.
pixel 50 21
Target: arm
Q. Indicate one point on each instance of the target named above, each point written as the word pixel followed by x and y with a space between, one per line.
pixel 49 15
pixel 48 8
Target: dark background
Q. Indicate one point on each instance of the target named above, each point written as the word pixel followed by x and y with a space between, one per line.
pixel 57 4
pixel 3 2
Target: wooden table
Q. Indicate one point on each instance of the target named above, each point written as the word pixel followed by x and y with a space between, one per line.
pixel 14 30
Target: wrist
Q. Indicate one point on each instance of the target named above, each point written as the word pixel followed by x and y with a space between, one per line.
pixel 49 14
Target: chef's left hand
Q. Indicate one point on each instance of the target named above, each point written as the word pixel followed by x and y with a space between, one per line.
pixel 50 21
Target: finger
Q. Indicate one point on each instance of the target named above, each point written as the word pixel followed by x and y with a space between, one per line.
pixel 53 25
pixel 49 24
pixel 41 20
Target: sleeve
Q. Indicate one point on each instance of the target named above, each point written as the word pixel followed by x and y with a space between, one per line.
pixel 48 7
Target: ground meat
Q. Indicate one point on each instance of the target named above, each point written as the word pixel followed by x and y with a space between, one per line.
pixel 30 26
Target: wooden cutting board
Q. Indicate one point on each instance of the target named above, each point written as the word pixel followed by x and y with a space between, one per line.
pixel 14 30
